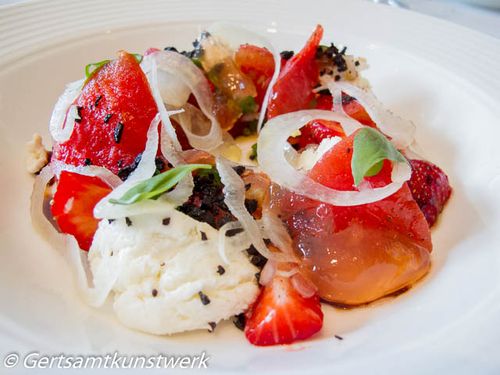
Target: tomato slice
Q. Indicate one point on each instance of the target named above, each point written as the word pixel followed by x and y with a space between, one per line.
pixel 293 88
pixel 356 254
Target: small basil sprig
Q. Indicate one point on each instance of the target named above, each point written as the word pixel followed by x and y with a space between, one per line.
pixel 90 69
pixel 155 186
pixel 371 148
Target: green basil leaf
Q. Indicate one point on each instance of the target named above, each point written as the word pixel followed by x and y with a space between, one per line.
pixel 90 69
pixel 155 186
pixel 371 148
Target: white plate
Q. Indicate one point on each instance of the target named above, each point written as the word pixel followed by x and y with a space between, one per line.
pixel 443 77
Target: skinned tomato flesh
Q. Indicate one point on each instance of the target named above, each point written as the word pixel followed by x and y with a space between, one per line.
pixel 356 254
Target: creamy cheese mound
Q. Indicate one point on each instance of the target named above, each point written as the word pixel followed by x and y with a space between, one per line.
pixel 169 274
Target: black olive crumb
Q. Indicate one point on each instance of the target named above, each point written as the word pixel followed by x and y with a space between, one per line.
pixel 337 77
pixel 248 186
pixel 338 337
pixel 203 236
pixel 166 221
pixel 87 161
pixel 239 321
pixel 117 134
pixel 234 232
pixel 154 292
pixel 251 205
pixel 111 220
pixel 286 55
pixel 220 270
pixel 239 169
pixel 212 326
pixel 128 221
pixel 204 298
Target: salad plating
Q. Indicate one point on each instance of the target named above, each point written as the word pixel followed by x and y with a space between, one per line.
pixel 234 182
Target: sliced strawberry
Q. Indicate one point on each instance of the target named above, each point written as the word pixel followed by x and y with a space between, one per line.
pixel 293 89
pixel 116 109
pixel 258 64
pixel 281 315
pixel 73 205
pixel 430 188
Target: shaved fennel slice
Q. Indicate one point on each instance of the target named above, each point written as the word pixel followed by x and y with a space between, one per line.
pixel 234 197
pixel 64 114
pixel 274 137
pixel 65 244
pixel 235 36
pixel 186 71
pixel 401 131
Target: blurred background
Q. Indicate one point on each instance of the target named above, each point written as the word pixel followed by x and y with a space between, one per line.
pixel 480 15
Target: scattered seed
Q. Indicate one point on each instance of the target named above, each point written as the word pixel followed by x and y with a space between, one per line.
pixel 96 103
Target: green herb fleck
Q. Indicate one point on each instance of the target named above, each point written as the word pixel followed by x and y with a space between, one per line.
pixel 253 152
pixel 92 68
pixel 155 186
pixel 138 57
pixel 248 105
pixel 197 61
pixel 371 148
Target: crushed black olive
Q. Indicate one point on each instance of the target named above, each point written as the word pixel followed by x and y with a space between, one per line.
pixel 324 92
pixel 117 134
pixel 154 292
pixel 239 321
pixel 79 111
pixel 212 326
pixel 221 270
pixel 257 276
pixel 255 257
pixel 338 337
pixel 248 186
pixel 124 172
pixel 96 103
pixel 203 236
pixel 337 78
pixel 128 221
pixel 111 254
pixel 207 202
pixel 251 205
pixel 204 298
pixel 356 63
pixel 286 55
pixel 107 117
pixel 234 232
pixel 173 49
pixel 159 163
pixel 166 221
pixel 267 241
pixel 111 220
pixel 87 161
pixel 239 169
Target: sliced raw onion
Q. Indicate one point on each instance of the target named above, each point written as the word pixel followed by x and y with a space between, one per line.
pixel 63 117
pixel 185 70
pixel 401 131
pixel 303 286
pixel 267 273
pixel 235 36
pixel 222 238
pixel 234 197
pixel 273 144
pixel 88 170
pixel 276 231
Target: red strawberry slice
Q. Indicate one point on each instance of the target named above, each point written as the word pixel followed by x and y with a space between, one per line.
pixel 116 109
pixel 73 205
pixel 281 315
pixel 430 188
pixel 293 89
